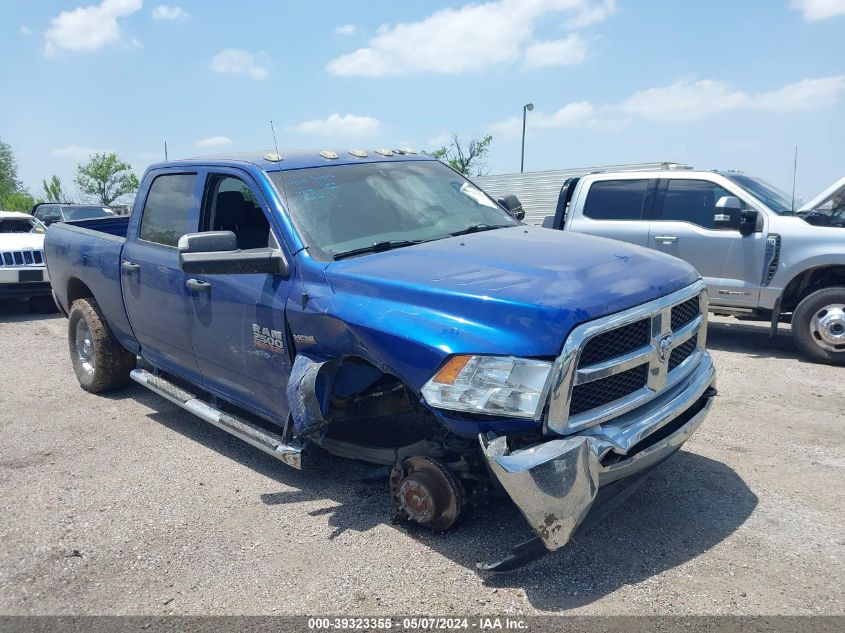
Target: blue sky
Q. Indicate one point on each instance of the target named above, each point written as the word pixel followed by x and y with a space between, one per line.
pixel 716 84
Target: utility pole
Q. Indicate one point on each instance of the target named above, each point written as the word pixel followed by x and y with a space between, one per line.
pixel 525 110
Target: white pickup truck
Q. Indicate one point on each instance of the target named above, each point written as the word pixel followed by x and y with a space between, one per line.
pixel 759 258
pixel 23 272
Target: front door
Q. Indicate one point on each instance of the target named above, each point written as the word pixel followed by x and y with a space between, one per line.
pixel 154 290
pixel 238 319
pixel 730 263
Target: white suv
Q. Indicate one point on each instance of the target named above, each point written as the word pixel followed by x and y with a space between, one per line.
pixel 23 272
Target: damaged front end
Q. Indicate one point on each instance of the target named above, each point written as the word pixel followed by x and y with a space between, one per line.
pixel 604 451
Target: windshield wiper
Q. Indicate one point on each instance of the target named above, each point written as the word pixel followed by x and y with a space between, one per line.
pixel 378 247
pixel 476 228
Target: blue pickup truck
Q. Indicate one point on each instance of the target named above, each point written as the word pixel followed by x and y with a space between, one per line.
pixel 378 306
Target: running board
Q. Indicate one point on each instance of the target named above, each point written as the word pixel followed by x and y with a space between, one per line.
pixel 270 443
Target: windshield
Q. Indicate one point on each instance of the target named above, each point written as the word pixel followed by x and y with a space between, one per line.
pixel 86 213
pixel 344 208
pixel 21 225
pixel 769 195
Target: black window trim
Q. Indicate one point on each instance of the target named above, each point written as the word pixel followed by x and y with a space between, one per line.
pixel 648 209
pixel 660 200
pixel 156 176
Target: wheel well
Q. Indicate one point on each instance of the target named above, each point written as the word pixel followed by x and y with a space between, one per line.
pixel 76 289
pixel 367 405
pixel 808 282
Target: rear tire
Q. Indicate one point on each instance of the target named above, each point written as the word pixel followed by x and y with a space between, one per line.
pixel 43 305
pixel 818 326
pixel 99 361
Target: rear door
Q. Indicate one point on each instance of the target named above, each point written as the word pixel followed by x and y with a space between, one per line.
pixel 730 263
pixel 239 320
pixel 617 208
pixel 154 291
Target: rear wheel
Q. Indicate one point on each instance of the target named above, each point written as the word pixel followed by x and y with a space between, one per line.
pixel 99 361
pixel 818 326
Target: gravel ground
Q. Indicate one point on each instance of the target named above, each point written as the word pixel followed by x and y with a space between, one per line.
pixel 124 504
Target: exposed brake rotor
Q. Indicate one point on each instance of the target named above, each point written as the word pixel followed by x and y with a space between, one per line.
pixel 426 492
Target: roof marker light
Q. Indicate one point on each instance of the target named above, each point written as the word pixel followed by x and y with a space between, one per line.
pixel 326 153
pixel 405 150
pixel 358 153
pixel 384 151
pixel 273 157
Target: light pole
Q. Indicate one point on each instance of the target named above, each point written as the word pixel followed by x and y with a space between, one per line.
pixel 525 110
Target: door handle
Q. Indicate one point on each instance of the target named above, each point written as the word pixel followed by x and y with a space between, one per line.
pixel 198 286
pixel 130 267
pixel 666 239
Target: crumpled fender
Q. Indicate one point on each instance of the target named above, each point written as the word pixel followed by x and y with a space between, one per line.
pixel 553 484
pixel 307 390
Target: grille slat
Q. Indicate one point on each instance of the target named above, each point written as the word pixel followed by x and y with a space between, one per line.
pixel 615 343
pixel 682 352
pixel 600 392
pixel 22 258
pixel 684 313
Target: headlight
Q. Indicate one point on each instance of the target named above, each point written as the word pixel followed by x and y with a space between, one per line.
pixel 496 385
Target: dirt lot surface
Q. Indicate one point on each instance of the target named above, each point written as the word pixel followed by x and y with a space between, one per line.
pixel 125 504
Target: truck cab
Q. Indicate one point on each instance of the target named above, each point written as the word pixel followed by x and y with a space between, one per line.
pixel 758 258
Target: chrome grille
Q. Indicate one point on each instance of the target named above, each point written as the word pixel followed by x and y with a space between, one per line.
pixel 617 363
pixel 599 392
pixel 22 258
pixel 616 342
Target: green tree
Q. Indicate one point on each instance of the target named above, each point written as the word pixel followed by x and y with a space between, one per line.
pixel 9 182
pixel 106 177
pixel 53 191
pixel 17 201
pixel 465 157
pixel 13 195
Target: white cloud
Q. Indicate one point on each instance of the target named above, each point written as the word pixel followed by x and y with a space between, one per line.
pixel 88 28
pixel 814 10
pixel 234 61
pixel 682 102
pixel 167 12
pixel 336 125
pixel 568 51
pixel 214 141
pixel 576 114
pixel 592 14
pixel 77 152
pixel 439 141
pixel 24 30
pixel 346 29
pixel 451 41
pixel 692 100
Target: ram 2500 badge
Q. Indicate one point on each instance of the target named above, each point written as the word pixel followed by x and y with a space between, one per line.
pixel 378 305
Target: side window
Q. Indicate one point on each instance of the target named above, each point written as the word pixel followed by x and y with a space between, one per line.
pixel 42 213
pixel 230 205
pixel 616 199
pixel 169 209
pixel 692 201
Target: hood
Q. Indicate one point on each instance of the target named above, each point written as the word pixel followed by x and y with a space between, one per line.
pixel 837 189
pixel 21 241
pixel 532 283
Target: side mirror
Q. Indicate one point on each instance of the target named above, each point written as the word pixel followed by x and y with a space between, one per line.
pixel 513 206
pixel 728 213
pixel 47 221
pixel 217 253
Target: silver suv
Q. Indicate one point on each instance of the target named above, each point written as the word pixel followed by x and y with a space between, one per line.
pixel 758 257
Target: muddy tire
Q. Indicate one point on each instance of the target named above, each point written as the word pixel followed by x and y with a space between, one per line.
pixel 42 305
pixel 818 326
pixel 100 362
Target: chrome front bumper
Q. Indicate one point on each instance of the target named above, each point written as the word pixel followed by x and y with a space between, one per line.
pixel 555 483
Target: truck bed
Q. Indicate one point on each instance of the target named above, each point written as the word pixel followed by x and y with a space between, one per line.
pixel 83 259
